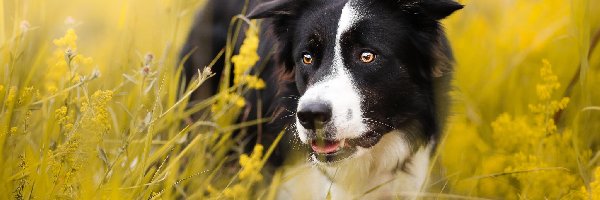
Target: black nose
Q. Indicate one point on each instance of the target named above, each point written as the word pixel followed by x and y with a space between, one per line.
pixel 314 115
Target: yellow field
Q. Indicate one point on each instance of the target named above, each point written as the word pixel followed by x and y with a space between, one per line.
pixel 90 105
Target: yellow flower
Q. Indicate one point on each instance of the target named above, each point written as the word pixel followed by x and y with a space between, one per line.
pixel 69 40
pixel 95 112
pixel 235 191
pixel 549 84
pixel 594 190
pixel 240 102
pixel 253 82
pixel 247 56
pixel 26 95
pixel 61 115
pixel 513 134
pixel 251 165
pixel 227 99
pixel 545 109
pixel 536 158
pixel 539 173
pixel 63 61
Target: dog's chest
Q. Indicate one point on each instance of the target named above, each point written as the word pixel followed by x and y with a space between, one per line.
pixel 387 172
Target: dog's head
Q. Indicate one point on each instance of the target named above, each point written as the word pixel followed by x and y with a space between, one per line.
pixel 363 68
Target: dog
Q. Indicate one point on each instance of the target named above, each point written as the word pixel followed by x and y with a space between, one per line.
pixel 361 84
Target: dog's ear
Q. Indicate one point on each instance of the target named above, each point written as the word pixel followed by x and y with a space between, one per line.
pixel 284 15
pixel 272 8
pixel 440 9
pixel 427 13
pixel 436 9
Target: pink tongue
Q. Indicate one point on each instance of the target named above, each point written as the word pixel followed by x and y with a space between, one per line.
pixel 327 147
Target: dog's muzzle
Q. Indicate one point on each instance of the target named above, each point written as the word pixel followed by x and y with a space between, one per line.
pixel 316 118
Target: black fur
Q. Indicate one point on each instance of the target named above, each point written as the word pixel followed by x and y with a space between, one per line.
pixel 405 88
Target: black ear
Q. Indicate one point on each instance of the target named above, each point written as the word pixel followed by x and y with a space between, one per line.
pixel 272 8
pixel 439 9
pixel 284 15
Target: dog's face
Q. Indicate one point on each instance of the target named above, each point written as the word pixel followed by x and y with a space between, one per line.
pixel 363 68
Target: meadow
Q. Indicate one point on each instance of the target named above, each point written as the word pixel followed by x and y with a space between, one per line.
pixel 91 105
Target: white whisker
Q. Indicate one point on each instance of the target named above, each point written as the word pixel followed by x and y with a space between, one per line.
pixel 375 122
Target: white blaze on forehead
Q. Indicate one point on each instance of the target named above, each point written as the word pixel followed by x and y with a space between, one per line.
pixel 338 88
pixel 348 18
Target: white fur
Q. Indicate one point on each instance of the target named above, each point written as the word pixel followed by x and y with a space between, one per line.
pixel 338 88
pixel 352 178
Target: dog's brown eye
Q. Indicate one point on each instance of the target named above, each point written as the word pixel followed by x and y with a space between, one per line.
pixel 307 59
pixel 367 57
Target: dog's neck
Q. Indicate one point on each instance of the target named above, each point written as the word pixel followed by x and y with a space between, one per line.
pixel 388 170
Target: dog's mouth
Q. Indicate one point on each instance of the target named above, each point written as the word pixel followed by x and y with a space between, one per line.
pixel 331 151
pixel 325 146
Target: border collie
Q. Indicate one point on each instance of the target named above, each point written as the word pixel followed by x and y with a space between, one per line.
pixel 362 84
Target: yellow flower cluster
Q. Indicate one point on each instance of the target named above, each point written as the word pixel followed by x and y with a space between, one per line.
pixel 95 112
pixel 593 191
pixel 246 59
pixel 61 114
pixel 69 40
pixel 526 155
pixel 247 56
pixel 65 60
pixel 227 107
pixel 226 110
pixel 514 134
pixel 64 119
pixel 64 164
pixel 253 82
pixel 27 95
pixel 545 110
pixel 595 185
pixel 249 174
pixel 532 171
pixel 228 98
pixel 530 145
pixel 66 153
pixel 251 165
pixel 550 82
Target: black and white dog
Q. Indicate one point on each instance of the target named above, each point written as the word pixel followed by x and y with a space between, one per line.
pixel 365 82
